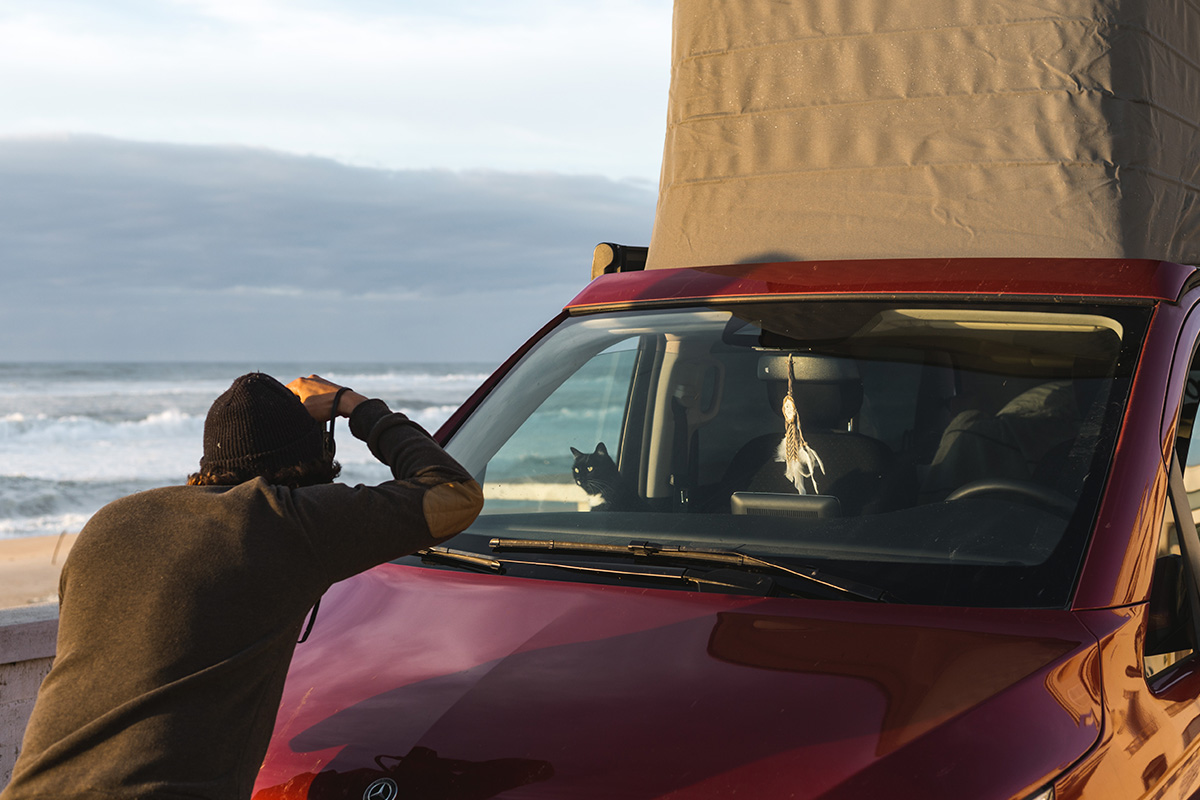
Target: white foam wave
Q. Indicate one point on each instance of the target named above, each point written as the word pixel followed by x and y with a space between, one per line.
pixel 42 428
pixel 161 446
pixel 43 525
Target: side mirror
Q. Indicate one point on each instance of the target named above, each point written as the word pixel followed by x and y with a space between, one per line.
pixel 1169 628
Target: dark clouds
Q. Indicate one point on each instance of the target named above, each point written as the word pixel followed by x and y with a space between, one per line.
pixel 117 250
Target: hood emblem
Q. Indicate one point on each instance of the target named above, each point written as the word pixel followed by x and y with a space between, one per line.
pixel 382 789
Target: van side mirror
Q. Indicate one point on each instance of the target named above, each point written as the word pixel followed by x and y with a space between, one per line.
pixel 1169 628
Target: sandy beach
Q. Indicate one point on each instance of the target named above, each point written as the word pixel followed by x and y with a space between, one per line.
pixel 29 569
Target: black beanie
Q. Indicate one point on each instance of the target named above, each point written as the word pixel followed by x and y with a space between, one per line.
pixel 259 425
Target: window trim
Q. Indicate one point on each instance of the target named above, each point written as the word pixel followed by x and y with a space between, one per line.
pixel 1189 539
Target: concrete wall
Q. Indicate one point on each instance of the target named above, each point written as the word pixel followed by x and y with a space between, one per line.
pixel 27 637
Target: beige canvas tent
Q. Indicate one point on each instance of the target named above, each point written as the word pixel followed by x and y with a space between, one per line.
pixel 841 129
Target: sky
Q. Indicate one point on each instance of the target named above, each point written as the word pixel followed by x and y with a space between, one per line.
pixel 366 179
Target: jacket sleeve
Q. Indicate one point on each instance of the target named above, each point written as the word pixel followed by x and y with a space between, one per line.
pixel 430 498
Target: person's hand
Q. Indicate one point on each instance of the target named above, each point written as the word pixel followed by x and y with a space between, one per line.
pixel 317 395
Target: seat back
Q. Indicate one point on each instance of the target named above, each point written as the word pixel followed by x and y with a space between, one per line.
pixel 862 472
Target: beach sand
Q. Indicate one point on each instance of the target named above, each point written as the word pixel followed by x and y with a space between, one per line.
pixel 29 569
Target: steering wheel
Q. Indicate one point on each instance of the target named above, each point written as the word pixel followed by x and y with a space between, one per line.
pixel 1033 493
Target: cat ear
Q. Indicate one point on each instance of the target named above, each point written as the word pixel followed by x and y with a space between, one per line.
pixel 576 453
pixel 601 449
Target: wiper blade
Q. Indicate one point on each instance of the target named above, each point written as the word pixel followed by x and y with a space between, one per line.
pixel 679 577
pixel 734 558
pixel 461 558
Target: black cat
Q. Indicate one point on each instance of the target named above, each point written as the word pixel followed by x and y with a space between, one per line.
pixel 597 474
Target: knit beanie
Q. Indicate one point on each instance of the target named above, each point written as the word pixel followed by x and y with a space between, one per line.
pixel 259 425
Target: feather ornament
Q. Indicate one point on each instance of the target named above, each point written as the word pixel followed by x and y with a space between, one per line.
pixel 799 459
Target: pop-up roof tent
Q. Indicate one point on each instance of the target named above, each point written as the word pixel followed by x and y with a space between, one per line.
pixel 845 129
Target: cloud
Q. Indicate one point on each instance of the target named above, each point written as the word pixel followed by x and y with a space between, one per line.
pixel 567 86
pixel 115 250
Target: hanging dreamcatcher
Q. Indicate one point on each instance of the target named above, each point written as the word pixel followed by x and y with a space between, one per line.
pixel 799 459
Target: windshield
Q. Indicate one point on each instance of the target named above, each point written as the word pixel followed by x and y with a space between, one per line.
pixel 947 456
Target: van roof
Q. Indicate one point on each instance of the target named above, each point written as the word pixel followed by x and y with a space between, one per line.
pixel 1000 277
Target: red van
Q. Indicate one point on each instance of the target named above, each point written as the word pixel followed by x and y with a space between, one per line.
pixel 854 529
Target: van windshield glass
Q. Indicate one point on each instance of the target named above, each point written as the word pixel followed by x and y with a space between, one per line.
pixel 944 455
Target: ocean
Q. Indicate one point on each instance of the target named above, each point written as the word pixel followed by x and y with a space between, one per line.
pixel 75 436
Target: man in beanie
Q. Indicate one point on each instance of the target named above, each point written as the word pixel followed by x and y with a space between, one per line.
pixel 180 607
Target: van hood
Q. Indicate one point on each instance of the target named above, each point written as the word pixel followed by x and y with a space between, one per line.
pixel 456 685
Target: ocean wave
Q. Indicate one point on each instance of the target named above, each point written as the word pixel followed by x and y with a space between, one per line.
pixel 42 526
pixel 42 428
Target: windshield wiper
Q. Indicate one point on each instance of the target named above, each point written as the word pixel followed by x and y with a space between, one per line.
pixel 461 558
pixel 733 586
pixel 651 550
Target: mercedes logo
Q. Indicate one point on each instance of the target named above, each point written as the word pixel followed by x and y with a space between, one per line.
pixel 382 789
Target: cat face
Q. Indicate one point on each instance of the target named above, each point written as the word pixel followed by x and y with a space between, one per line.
pixel 595 471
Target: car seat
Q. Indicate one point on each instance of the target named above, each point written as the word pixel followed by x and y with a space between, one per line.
pixel 1034 437
pixel 862 472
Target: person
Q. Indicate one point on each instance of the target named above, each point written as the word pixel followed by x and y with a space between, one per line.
pixel 180 607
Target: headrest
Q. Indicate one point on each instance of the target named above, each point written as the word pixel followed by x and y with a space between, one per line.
pixel 827 390
pixel 807 367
